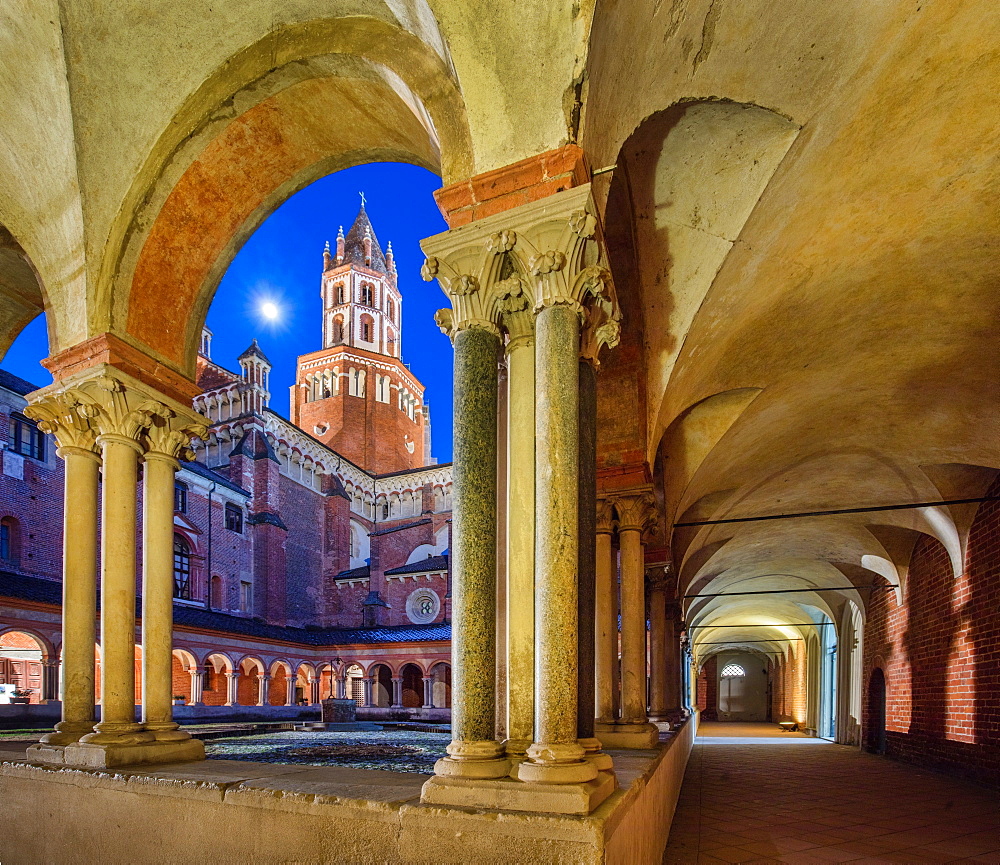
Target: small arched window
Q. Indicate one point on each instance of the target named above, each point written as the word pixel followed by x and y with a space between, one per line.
pixel 390 309
pixel 733 671
pixel 367 294
pixel 182 569
pixel 337 331
pixel 339 292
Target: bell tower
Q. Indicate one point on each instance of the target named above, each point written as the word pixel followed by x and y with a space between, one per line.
pixel 355 394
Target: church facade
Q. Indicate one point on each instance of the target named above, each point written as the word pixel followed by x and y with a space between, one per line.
pixel 310 555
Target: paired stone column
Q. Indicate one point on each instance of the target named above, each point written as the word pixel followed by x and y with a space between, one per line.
pixel 232 687
pixel 197 686
pixel 633 730
pixel 397 692
pixel 103 410
pixel 657 593
pixel 263 689
pixel 605 619
pixel 341 686
pixel 68 417
pixel 368 692
pixel 290 682
pixel 428 692
pixel 500 282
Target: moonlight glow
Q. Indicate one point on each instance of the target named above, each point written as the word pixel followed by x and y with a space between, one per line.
pixel 270 310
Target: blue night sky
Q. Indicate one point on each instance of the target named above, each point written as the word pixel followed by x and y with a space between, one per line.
pixel 282 263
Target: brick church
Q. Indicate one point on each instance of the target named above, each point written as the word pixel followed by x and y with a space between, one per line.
pixel 310 553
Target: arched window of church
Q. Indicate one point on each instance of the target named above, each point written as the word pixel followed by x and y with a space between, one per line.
pixel 180 497
pixel 361 382
pixel 733 671
pixel 367 328
pixel 391 345
pixel 182 568
pixel 390 309
pixel 367 294
pixel 339 292
pixel 337 331
pixel 352 382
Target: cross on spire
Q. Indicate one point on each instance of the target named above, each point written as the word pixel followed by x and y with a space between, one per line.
pixel 362 198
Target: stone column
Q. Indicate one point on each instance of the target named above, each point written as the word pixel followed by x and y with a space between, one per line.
pixel 474 751
pixel 520 532
pixel 428 692
pixel 314 682
pixel 120 455
pixel 397 692
pixel 341 686
pixel 291 680
pixel 587 565
pixel 69 419
pixel 197 686
pixel 635 513
pixel 555 756
pixel 263 689
pixel 168 437
pixel 605 620
pixel 368 692
pixel 232 687
pixel 674 662
pixel 657 644
pixel 50 680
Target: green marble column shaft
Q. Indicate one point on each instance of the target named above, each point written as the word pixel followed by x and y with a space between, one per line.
pixel 474 524
pixel 557 331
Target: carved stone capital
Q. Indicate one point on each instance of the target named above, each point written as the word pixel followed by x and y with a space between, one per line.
pixel 605 516
pixel 103 401
pixel 636 511
pixel 500 270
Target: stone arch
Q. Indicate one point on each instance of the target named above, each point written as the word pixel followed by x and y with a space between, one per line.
pixel 381 684
pixel 270 141
pixel 412 685
pixel 182 663
pixel 22 293
pixel 441 687
pixel 215 684
pixel 281 680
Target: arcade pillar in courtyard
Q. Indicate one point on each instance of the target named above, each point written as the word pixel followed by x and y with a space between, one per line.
pixel 529 281
pixel 108 423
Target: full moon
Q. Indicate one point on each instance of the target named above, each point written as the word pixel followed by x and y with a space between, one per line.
pixel 269 310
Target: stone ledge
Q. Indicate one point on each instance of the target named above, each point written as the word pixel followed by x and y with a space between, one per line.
pixel 280 813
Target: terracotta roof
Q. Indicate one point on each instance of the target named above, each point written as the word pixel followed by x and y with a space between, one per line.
pixel 432 563
pixel 354 573
pixel 212 475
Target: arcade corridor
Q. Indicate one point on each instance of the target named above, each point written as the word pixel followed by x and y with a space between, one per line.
pixel 808 801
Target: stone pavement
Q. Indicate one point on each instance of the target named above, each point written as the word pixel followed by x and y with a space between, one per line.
pixel 746 801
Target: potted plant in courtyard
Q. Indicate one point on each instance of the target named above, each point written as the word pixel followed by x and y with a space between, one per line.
pixel 21 696
pixel 179 699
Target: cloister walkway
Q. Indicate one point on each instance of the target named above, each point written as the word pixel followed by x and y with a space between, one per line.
pixel 752 794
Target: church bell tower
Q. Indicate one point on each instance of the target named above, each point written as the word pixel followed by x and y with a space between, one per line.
pixel 355 394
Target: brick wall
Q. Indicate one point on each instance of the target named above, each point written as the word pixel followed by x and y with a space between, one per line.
pixel 940 653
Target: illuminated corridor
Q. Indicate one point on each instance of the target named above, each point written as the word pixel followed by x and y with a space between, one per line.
pixel 766 801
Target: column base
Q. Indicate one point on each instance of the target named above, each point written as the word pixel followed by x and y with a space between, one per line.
pixel 635 736
pixel 167 732
pixel 506 794
pixel 107 756
pixel 472 770
pixel 593 754
pixel 67 732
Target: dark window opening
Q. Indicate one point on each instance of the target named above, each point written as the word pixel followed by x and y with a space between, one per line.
pixel 182 569
pixel 234 518
pixel 180 497
pixel 28 440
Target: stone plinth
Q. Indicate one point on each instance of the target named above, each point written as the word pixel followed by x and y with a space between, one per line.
pixel 337 711
pixel 107 756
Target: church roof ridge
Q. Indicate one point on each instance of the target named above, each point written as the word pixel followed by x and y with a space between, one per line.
pixel 254 350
